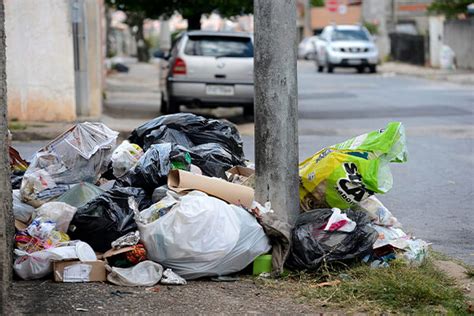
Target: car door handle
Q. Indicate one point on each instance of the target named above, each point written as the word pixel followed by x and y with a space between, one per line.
pixel 220 76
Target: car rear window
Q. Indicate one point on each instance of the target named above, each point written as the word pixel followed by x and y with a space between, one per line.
pixel 349 35
pixel 219 46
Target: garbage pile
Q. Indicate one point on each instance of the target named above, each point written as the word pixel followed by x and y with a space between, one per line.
pixel 175 202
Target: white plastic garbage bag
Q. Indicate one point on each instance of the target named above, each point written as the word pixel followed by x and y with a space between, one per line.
pixel 36 265
pixel 198 229
pixel 58 212
pixel 204 236
pixel 146 273
pixel 21 211
pixel 124 157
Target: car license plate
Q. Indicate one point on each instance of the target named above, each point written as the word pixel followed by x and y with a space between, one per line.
pixel 219 90
pixel 354 61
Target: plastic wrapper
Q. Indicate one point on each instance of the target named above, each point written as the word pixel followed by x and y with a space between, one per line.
pixel 159 209
pixel 129 239
pixel 21 211
pixel 80 194
pixel 214 145
pixel 171 278
pixel 80 154
pixel 39 235
pixel 58 212
pixel 146 273
pixel 204 236
pixel 346 174
pixel 312 245
pixel 107 217
pixel 124 157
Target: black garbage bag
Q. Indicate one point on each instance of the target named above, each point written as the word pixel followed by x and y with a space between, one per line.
pixel 189 130
pixel 213 159
pixel 107 217
pixel 167 135
pixel 311 245
pixel 151 170
pixel 15 178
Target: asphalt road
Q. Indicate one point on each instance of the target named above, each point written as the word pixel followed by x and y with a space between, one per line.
pixel 432 195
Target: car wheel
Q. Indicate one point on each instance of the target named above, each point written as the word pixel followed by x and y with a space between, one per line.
pixel 330 68
pixel 320 68
pixel 249 110
pixel 373 69
pixel 360 69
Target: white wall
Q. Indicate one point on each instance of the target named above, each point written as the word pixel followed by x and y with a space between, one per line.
pixel 436 39
pixel 459 35
pixel 40 60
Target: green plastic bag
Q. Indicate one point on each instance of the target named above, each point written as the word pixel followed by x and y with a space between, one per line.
pixel 348 173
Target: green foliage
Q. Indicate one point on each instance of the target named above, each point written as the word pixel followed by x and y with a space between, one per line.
pixel 156 8
pixel 450 8
pixel 399 288
pixel 317 3
pixel 371 27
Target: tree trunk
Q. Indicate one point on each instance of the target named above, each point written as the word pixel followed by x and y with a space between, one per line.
pixel 194 21
pixel 7 229
pixel 142 48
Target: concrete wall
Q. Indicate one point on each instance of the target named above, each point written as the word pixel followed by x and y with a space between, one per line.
pixel 459 35
pixel 321 17
pixel 40 60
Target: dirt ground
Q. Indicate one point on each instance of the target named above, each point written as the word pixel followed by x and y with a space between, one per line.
pixel 197 297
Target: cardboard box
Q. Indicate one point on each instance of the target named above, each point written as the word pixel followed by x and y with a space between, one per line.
pixel 179 180
pixel 241 175
pixel 79 271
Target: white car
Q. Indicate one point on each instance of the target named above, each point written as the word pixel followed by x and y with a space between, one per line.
pixel 307 48
pixel 346 46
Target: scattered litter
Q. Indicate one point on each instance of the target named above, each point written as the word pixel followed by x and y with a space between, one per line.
pixel 129 239
pixel 155 289
pixel 81 309
pixel 145 273
pixel 329 283
pixel 169 277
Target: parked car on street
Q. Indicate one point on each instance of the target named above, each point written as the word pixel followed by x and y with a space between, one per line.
pixel 208 69
pixel 346 46
pixel 307 48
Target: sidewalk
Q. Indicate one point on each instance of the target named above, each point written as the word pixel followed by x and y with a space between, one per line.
pixel 455 76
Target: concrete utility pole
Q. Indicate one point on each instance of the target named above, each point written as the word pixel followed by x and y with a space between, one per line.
pixel 276 105
pixel 7 229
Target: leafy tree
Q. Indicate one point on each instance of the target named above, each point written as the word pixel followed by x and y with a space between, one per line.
pixel 317 3
pixel 193 10
pixel 450 8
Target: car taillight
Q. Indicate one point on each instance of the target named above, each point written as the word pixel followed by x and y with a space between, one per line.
pixel 179 67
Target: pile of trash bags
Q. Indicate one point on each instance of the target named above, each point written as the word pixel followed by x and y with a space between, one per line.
pixel 175 202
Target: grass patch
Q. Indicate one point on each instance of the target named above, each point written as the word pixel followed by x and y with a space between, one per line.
pixel 397 289
pixel 16 126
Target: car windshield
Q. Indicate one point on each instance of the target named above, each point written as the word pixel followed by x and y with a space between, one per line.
pixel 349 35
pixel 219 46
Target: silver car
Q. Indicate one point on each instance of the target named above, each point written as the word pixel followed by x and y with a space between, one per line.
pixel 209 69
pixel 346 46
